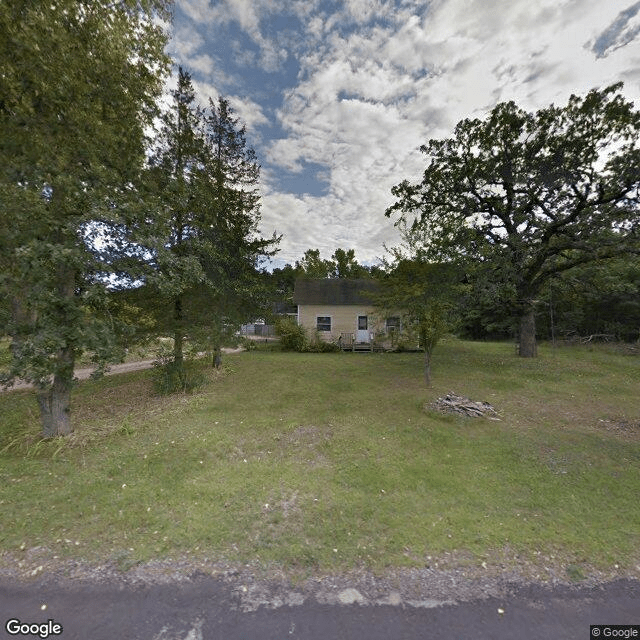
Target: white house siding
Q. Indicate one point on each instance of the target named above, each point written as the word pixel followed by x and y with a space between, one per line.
pixel 344 319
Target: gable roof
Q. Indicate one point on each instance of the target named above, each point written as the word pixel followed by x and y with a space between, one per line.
pixel 334 291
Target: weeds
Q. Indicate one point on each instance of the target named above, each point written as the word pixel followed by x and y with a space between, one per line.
pixel 170 376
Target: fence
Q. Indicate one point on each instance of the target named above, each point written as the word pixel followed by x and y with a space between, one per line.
pixel 262 330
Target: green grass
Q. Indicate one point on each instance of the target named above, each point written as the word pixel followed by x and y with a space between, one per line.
pixel 327 462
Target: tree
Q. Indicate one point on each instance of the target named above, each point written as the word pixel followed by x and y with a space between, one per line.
pixel 168 230
pixel 283 281
pixel 313 266
pixel 201 235
pixel 346 265
pixel 522 197
pixel 78 86
pixel 594 299
pixel 422 293
pixel 343 264
pixel 237 247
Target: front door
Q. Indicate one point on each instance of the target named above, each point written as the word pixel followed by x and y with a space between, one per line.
pixel 362 334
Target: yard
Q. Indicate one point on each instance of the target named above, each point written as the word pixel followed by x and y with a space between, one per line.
pixel 330 462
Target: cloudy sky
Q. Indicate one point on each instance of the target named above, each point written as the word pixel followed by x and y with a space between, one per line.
pixel 337 95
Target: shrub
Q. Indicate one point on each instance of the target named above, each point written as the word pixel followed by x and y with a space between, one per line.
pixel 293 337
pixel 171 377
pixel 247 344
pixel 318 345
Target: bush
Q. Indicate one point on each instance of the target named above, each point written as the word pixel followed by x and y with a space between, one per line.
pixel 293 337
pixel 247 344
pixel 321 346
pixel 170 377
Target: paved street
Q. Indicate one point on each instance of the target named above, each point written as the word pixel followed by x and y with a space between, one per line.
pixel 209 609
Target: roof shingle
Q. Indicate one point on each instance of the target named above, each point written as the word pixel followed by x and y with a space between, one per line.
pixel 334 291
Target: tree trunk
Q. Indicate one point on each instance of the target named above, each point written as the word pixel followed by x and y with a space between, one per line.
pixel 55 400
pixel 178 356
pixel 528 347
pixel 427 367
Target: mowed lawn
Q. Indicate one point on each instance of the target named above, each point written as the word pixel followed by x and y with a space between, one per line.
pixel 328 462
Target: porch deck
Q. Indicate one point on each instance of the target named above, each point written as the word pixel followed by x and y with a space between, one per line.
pixel 348 342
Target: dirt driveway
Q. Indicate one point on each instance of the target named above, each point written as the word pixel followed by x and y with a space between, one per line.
pixel 125 367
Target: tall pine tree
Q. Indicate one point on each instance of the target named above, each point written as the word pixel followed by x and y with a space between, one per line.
pixel 202 233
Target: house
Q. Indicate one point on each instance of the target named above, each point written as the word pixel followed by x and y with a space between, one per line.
pixel 341 310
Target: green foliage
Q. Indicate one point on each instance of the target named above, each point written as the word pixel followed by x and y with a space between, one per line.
pixel 201 235
pixel 598 298
pixel 483 313
pixel 594 299
pixel 170 376
pixel 519 198
pixel 79 85
pixel 313 266
pixel 318 345
pixel 293 336
pixel 247 344
pixel 346 265
pixel 343 264
pixel 421 294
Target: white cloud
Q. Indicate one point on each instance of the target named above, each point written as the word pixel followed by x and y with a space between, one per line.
pixel 185 42
pixel 368 94
pixel 362 11
pixel 203 63
pixel 205 91
pixel 319 223
pixel 248 14
pixel 200 11
pixel 250 112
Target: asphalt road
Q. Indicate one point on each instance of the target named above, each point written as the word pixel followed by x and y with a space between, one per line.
pixel 209 609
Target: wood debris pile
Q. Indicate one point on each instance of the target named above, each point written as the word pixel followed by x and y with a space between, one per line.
pixel 452 403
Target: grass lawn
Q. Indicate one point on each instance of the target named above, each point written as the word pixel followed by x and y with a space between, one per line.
pixel 328 462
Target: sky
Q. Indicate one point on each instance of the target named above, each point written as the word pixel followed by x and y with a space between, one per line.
pixel 337 96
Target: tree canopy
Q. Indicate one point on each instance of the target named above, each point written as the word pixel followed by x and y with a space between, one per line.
pixel 199 229
pixel 421 294
pixel 521 197
pixel 343 264
pixel 78 87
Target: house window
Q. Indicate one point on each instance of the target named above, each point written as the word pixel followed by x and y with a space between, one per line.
pixel 393 324
pixel 362 323
pixel 323 323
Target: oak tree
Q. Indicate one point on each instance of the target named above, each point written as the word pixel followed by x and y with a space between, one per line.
pixel 520 197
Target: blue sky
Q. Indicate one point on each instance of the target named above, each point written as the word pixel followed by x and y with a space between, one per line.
pixel 337 96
